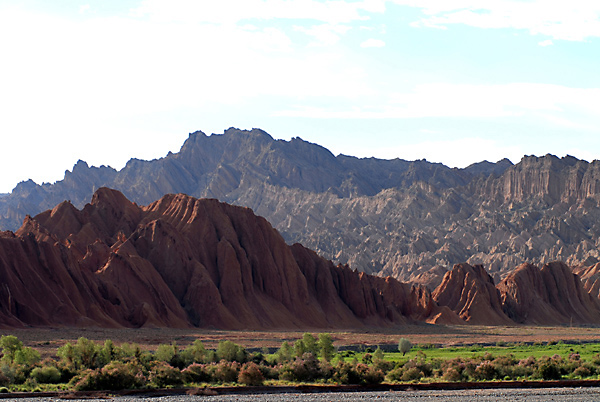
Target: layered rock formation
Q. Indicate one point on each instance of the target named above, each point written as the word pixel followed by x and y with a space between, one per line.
pixel 393 217
pixel 552 295
pixel 182 262
pixel 470 292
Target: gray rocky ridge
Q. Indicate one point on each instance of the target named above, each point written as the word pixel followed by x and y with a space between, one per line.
pixel 389 217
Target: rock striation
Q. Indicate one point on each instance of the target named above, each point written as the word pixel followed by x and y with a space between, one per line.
pixel 550 295
pixel 470 292
pixel 181 262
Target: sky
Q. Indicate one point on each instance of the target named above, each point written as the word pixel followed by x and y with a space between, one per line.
pixel 451 81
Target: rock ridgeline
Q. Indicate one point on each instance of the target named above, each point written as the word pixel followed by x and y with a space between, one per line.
pixel 388 217
pixel 182 262
pixel 551 295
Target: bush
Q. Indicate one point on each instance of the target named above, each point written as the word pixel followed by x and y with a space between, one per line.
pixel 114 376
pixel 229 351
pixel 485 371
pixel 163 375
pixel 4 380
pixel 373 376
pixel 195 353
pixel 285 353
pixel 383 365
pixel 411 374
pixel 549 371
pixel 582 372
pixel 46 375
pixel 305 368
pixel 346 373
pixel 452 375
pixel 326 346
pixel 196 373
pixel 225 371
pixel 404 346
pixel 250 374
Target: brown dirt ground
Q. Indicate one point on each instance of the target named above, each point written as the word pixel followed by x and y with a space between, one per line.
pixel 47 340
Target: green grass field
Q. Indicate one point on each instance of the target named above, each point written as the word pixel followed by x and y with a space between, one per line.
pixel 586 351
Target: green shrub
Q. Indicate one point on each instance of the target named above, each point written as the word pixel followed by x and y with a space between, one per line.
pixel 4 379
pixel 347 373
pixel 549 371
pixel 46 375
pixel 195 353
pixel 10 344
pixel 373 376
pixel 411 374
pixel 285 353
pixel 225 371
pixel 196 373
pixel 382 365
pixel 404 346
pixel 326 347
pixel 485 371
pixel 229 351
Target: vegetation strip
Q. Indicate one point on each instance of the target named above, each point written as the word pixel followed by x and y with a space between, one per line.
pixel 310 364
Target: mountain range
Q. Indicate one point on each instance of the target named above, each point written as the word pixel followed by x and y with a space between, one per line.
pixel 405 219
pixel 184 262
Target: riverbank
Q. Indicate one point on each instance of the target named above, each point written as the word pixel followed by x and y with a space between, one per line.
pixel 314 390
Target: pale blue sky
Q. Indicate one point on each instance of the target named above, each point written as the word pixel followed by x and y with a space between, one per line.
pixel 452 81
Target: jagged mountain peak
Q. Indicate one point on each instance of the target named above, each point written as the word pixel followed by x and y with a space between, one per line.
pixel 393 217
pixel 183 262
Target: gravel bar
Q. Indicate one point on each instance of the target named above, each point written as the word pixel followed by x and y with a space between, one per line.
pixel 481 395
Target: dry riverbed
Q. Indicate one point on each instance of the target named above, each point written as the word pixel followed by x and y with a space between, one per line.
pixel 486 395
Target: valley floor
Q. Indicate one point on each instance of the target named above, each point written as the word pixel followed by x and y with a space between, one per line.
pixel 47 340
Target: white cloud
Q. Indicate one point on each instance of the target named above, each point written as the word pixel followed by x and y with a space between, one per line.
pixel 453 100
pixel 325 34
pixel 233 11
pixel 547 42
pixel 373 43
pixel 574 20
pixel 460 152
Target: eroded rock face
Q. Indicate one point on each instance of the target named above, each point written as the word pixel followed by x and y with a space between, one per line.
pixel 469 291
pixel 182 262
pixel 590 277
pixel 388 217
pixel 549 296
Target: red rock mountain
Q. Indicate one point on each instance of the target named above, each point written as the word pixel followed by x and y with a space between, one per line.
pixel 470 292
pixel 590 277
pixel 552 295
pixel 182 262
